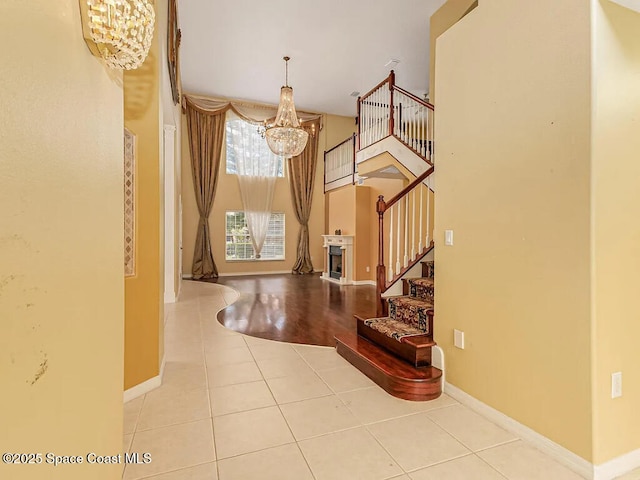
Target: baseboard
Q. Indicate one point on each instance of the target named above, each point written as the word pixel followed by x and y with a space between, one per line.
pixel 364 282
pixel 146 386
pixel 187 276
pixel 170 297
pixel 559 453
pixel 618 466
pixel 437 360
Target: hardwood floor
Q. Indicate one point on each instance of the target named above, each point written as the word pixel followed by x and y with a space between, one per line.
pixel 296 308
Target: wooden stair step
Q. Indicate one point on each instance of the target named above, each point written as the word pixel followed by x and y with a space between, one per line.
pixel 428 268
pixel 394 375
pixel 415 349
pixel 413 311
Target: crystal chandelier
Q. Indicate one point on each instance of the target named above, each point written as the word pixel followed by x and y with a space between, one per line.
pixel 286 137
pixel 119 31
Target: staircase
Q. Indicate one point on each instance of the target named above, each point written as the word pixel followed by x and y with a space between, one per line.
pixel 394 349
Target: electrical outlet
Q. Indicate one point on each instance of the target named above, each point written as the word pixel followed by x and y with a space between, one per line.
pixel 616 385
pixel 368 269
pixel 458 339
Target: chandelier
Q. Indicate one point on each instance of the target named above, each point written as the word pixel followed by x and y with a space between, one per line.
pixel 119 31
pixel 286 137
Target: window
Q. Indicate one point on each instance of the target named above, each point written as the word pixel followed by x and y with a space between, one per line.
pixel 250 141
pixel 239 243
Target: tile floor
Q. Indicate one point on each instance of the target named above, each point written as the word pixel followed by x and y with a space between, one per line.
pixel 234 407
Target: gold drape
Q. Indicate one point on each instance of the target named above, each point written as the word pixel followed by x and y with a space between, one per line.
pixel 206 134
pixel 249 112
pixel 302 174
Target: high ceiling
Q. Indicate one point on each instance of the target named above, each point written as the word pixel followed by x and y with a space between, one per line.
pixel 234 48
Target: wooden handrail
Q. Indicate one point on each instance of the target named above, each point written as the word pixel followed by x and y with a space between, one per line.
pixel 350 139
pixel 390 78
pixel 407 189
pixel 413 97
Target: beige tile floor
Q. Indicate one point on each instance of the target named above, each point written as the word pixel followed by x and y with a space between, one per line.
pixel 233 407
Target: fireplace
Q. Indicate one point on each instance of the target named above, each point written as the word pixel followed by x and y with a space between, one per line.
pixel 335 262
pixel 338 260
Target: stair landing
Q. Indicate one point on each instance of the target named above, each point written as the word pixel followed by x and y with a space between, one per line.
pixel 394 375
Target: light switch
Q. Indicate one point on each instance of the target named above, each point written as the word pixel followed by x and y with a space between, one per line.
pixel 448 237
pixel 458 339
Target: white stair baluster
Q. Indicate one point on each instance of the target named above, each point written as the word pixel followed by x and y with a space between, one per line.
pixel 428 217
pixel 390 269
pixel 374 116
pixel 422 134
pixel 421 218
pixel 413 225
pixel 398 243
pixel 414 140
pixel 406 231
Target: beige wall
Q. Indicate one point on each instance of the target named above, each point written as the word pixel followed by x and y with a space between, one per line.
pixel 144 301
pixel 616 227
pixel 363 203
pixel 228 198
pixel 441 20
pixel 61 238
pixel 349 209
pixel 513 182
pixel 342 210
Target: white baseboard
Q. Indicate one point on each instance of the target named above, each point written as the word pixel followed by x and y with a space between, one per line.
pixel 605 471
pixel 187 276
pixel 146 386
pixel 618 466
pixel 364 282
pixel 437 361
pixel 559 453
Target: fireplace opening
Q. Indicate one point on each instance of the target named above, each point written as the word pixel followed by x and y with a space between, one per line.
pixel 335 261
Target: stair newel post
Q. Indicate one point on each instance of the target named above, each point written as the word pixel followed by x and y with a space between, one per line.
pixel 392 82
pixel 381 206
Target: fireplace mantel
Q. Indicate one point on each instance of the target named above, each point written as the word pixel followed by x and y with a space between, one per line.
pixel 343 271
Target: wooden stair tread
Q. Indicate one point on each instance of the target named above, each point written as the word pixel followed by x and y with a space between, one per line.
pixel 414 349
pixel 386 362
pixel 406 299
pixel 427 280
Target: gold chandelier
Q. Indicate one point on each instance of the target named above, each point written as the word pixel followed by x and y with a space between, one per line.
pixel 286 137
pixel 118 31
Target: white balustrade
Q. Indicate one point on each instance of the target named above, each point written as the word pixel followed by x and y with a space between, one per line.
pixel 413 122
pixel 339 162
pixel 410 229
pixel 374 115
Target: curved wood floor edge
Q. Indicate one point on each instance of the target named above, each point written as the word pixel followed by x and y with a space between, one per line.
pixel 295 308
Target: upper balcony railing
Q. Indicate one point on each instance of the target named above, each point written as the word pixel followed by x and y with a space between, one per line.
pixel 339 164
pixel 390 110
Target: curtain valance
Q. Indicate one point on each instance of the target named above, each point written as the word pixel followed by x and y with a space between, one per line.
pixel 253 113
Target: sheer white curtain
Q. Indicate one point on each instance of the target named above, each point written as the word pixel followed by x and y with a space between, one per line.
pixel 257 169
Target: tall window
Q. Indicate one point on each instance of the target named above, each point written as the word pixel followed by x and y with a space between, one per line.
pixel 238 245
pixel 251 141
